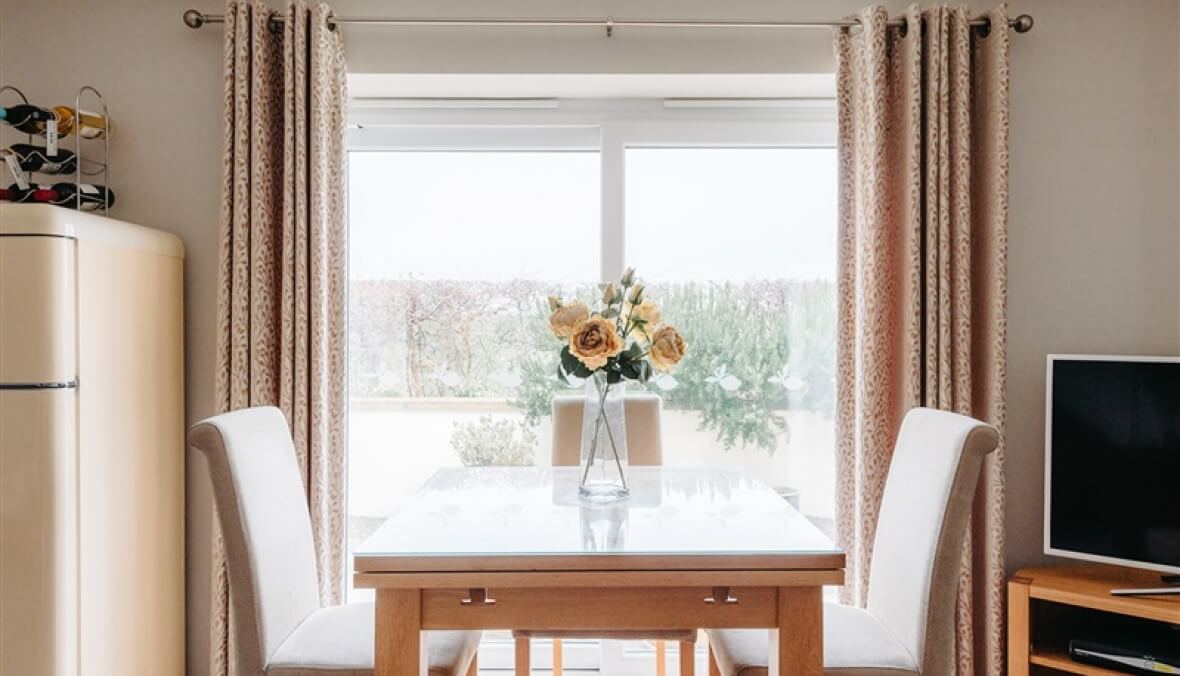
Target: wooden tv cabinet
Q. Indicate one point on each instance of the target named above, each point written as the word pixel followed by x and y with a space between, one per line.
pixel 1043 601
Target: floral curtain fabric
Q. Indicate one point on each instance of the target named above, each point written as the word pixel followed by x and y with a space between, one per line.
pixel 282 287
pixel 923 159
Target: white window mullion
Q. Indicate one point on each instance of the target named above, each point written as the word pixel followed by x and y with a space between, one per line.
pixel 613 202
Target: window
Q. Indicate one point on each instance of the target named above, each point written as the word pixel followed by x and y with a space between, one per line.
pixel 740 245
pixel 448 252
pixel 462 221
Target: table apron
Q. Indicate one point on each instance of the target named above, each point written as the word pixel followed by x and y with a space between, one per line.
pixel 606 608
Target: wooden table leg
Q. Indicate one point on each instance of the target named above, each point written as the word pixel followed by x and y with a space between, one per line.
pixel 688 658
pixel 400 648
pixel 797 646
pixel 523 664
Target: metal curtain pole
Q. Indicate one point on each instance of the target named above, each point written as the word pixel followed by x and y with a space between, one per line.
pixel 195 19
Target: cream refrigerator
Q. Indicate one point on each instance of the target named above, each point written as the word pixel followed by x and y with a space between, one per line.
pixel 91 446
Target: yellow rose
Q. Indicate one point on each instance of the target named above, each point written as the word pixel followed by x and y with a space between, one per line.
pixel 609 294
pixel 648 312
pixel 667 348
pixel 594 341
pixel 566 317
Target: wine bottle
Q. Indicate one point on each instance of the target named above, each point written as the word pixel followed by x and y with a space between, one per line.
pixel 27 118
pixel 85 124
pixel 34 158
pixel 15 193
pixel 66 195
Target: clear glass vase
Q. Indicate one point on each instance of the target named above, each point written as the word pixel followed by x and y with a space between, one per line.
pixel 604 526
pixel 604 442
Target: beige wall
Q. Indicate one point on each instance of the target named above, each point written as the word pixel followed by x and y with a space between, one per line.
pixel 1095 218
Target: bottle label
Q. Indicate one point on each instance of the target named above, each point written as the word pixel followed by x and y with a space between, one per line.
pixel 86 127
pixel 15 170
pixel 51 137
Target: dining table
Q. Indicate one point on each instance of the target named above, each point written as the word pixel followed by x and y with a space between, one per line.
pixel 517 548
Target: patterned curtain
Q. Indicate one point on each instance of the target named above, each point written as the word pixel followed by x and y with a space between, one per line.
pixel 923 134
pixel 281 293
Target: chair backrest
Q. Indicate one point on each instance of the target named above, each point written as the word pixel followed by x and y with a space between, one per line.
pixel 916 563
pixel 641 413
pixel 262 508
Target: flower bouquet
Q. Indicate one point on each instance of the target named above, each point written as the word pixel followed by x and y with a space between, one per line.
pixel 622 338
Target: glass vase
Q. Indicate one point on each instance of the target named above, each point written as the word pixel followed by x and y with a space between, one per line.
pixel 604 442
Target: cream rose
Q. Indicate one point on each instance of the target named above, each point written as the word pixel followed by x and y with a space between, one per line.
pixel 594 341
pixel 648 312
pixel 566 317
pixel 666 348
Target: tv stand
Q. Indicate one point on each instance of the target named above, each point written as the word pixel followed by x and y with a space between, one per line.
pixel 1171 588
pixel 1046 606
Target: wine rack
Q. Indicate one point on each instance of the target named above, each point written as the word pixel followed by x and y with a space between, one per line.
pixel 105 165
pixel 92 166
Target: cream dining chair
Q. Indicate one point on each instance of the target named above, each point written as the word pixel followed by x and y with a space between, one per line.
pixel 644 448
pixel 281 629
pixel 908 625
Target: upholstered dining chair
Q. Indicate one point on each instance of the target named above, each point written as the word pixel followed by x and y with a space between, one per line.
pixel 644 448
pixel 908 624
pixel 281 628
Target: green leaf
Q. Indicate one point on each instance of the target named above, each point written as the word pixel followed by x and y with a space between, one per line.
pixel 629 370
pixel 610 313
pixel 613 377
pixel 568 361
pixel 562 376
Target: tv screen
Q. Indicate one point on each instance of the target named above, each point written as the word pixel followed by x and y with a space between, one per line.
pixel 1113 463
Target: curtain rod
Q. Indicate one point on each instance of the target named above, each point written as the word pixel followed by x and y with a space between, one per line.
pixel 195 19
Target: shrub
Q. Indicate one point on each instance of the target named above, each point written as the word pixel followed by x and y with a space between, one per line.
pixel 491 442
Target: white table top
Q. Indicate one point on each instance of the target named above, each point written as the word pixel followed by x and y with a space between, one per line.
pixel 525 518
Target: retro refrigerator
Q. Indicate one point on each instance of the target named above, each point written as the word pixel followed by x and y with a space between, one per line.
pixel 91 446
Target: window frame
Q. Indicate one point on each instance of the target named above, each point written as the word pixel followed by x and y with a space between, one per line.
pixel 606 126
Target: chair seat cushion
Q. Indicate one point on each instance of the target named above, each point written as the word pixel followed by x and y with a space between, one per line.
pixel 615 635
pixel 855 644
pixel 338 641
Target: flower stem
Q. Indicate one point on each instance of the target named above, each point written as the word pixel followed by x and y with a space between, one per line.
pixel 614 449
pixel 597 420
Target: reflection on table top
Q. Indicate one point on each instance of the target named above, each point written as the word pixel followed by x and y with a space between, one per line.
pixel 525 518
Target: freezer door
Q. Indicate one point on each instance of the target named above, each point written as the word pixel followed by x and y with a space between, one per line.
pixel 38 340
pixel 38 533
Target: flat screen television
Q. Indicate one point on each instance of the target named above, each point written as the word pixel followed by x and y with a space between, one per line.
pixel 1112 460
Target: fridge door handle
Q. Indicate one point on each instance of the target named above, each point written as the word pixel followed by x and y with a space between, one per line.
pixel 60 385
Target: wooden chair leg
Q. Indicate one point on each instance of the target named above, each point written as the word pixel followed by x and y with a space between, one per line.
pixel 688 651
pixel 661 659
pixel 558 661
pixel 714 670
pixel 473 668
pixel 523 667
